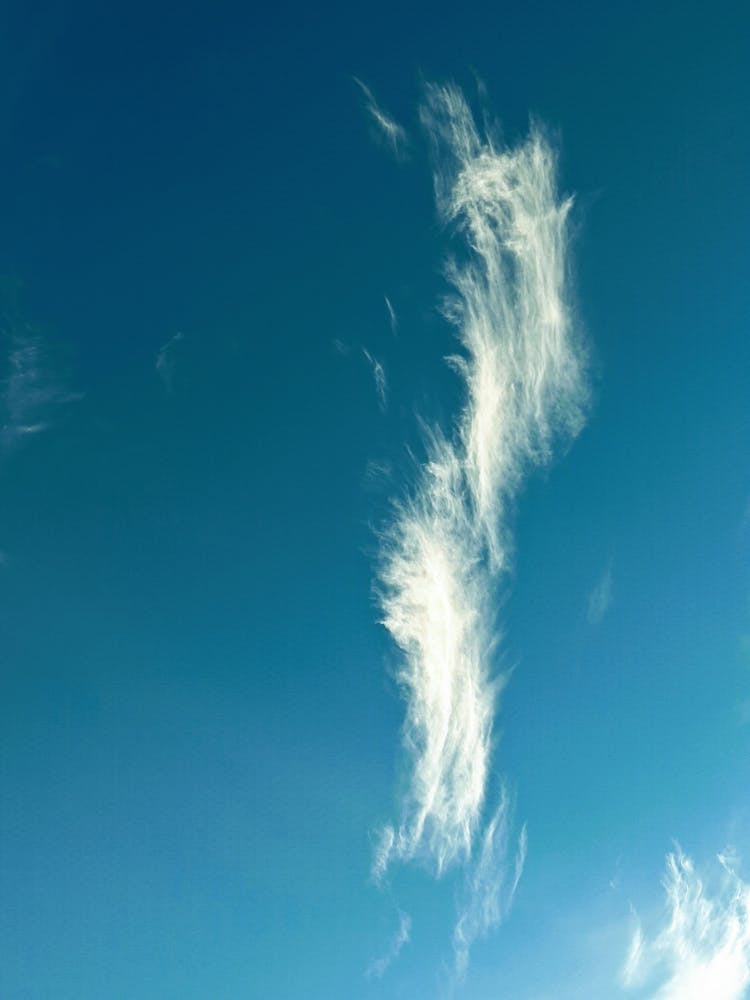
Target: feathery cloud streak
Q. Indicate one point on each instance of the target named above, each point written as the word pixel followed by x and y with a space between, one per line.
pixel 393 133
pixel 522 367
pixel 378 374
pixel 392 317
pixel 489 892
pixel 704 948
pixel 436 607
pixel 523 361
pixel 378 968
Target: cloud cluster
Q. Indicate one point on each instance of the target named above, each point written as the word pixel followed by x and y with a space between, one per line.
pixel 703 950
pixel 441 556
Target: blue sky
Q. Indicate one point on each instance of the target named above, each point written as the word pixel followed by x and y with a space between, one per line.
pixel 330 669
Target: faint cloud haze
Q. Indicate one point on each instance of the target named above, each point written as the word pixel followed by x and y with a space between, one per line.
pixel 166 361
pixel 600 598
pixel 523 370
pixel 378 472
pixel 31 388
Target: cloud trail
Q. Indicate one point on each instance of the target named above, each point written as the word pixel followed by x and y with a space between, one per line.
pixel 523 371
pixel 392 317
pixel 704 949
pixel 377 969
pixel 489 892
pixel 393 133
pixel 378 373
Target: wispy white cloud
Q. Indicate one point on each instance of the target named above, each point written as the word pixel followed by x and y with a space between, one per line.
pixel 490 886
pixel 435 601
pixel 600 598
pixel 378 374
pixel 31 390
pixel 522 367
pixel 392 317
pixel 523 361
pixel 166 360
pixel 703 949
pixel 378 968
pixel 395 135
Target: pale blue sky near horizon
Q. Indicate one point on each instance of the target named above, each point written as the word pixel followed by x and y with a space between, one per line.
pixel 199 727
